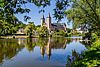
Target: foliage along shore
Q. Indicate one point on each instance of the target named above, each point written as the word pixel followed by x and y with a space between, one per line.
pixel 91 57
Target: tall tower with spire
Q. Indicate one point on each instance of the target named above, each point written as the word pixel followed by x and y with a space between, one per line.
pixel 48 48
pixel 48 22
pixel 42 20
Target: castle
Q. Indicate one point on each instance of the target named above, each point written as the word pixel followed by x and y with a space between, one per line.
pixel 52 26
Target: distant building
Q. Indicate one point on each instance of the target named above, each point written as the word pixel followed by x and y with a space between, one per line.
pixel 52 26
pixel 21 31
pixel 80 30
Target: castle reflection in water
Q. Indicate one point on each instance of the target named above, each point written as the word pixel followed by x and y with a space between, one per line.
pixel 10 47
pixel 46 45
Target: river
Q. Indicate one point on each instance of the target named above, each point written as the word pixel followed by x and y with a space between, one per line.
pixel 39 52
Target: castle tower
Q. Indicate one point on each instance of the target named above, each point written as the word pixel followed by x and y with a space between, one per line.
pixel 42 21
pixel 48 22
pixel 48 48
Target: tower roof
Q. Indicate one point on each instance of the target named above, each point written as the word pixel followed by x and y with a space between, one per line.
pixel 43 16
pixel 49 15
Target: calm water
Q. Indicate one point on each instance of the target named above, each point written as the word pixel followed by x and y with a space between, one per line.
pixel 38 52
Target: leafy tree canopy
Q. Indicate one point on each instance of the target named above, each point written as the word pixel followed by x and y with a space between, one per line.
pixel 29 29
pixel 85 14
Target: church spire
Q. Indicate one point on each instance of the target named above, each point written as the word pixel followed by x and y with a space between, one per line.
pixel 43 16
pixel 42 20
pixel 49 15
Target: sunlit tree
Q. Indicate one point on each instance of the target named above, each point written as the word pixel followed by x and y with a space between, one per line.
pixel 30 28
pixel 43 31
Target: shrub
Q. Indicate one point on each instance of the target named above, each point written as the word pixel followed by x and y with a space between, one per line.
pixel 94 37
pixel 91 57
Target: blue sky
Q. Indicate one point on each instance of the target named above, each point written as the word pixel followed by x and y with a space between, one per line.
pixel 36 16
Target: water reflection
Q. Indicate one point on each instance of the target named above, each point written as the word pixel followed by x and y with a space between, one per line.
pixel 57 50
pixel 8 49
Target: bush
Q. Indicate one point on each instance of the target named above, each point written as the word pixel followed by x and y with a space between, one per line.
pixel 91 57
pixel 43 31
pixel 58 33
pixel 87 36
pixel 66 34
pixel 94 37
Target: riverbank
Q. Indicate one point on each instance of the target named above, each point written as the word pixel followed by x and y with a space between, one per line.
pixel 25 36
pixel 91 57
pixel 13 36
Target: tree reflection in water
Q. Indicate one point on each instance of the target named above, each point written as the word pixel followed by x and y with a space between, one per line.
pixel 46 44
pixel 71 59
pixel 10 47
pixel 75 55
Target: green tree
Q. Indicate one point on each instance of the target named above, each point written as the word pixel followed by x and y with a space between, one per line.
pixel 10 7
pixel 8 28
pixel 30 28
pixel 85 14
pixel 43 31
